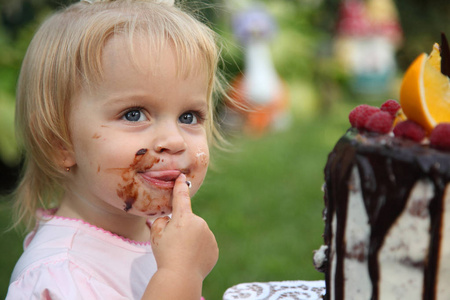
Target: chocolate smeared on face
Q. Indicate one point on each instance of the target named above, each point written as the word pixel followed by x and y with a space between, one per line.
pixel 141 151
pixel 129 204
pixel 129 190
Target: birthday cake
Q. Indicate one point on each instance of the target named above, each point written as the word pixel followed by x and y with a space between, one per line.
pixel 386 193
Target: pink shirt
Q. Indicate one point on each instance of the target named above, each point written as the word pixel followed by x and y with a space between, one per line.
pixel 70 259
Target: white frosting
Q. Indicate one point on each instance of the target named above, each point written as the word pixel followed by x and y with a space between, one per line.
pixel 320 256
pixel 357 232
pixel 405 248
pixel 443 276
pixel 332 255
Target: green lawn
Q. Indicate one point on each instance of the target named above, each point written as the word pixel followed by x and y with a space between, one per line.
pixel 263 201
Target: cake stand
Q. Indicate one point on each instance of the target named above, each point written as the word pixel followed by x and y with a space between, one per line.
pixel 277 290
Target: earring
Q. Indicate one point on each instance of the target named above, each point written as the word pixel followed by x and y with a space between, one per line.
pixel 68 169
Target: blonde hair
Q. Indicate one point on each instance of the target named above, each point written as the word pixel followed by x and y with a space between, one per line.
pixel 65 54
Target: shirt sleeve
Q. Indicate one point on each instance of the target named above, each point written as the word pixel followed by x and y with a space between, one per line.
pixel 59 281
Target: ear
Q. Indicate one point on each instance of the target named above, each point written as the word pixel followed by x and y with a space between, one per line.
pixel 67 157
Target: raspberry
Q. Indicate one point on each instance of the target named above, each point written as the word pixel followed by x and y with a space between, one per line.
pixel 380 122
pixel 390 106
pixel 440 136
pixel 360 114
pixel 410 130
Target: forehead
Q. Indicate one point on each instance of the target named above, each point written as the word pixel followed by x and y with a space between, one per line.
pixel 130 65
pixel 146 55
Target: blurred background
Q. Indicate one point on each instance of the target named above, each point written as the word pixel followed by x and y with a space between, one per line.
pixel 301 65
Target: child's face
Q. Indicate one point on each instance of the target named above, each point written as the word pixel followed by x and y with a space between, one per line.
pixel 137 130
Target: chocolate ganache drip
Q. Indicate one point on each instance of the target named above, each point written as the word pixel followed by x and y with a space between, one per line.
pixel 389 167
pixel 445 55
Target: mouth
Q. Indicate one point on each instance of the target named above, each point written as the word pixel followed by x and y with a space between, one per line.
pixel 164 179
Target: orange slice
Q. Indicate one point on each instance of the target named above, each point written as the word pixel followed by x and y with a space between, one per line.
pixel 435 57
pixel 425 92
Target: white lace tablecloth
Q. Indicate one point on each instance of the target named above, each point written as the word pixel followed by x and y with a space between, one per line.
pixel 275 290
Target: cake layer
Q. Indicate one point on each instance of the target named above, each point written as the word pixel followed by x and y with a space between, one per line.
pixel 384 200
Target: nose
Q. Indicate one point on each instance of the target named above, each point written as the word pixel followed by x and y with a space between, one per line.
pixel 169 139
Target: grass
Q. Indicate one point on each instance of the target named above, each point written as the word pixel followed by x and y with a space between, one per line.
pixel 263 201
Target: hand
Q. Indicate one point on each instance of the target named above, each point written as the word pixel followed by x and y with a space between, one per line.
pixel 183 244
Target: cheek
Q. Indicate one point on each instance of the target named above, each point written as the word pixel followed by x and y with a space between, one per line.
pixel 106 151
pixel 201 162
pixel 199 157
pixel 202 157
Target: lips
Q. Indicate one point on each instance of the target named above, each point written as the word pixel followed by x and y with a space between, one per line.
pixel 162 179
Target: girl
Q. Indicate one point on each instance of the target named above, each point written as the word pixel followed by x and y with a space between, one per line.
pixel 114 108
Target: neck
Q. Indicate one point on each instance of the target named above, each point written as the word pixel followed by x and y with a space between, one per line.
pixel 111 219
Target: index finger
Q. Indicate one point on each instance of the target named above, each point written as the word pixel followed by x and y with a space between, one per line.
pixel 181 200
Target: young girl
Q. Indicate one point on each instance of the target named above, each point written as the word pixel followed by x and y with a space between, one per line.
pixel 115 111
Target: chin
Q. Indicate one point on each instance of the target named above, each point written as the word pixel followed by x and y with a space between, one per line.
pixel 151 210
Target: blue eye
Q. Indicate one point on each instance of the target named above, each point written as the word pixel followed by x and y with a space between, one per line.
pixel 134 115
pixel 188 118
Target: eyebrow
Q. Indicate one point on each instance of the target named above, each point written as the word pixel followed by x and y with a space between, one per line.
pixel 199 103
